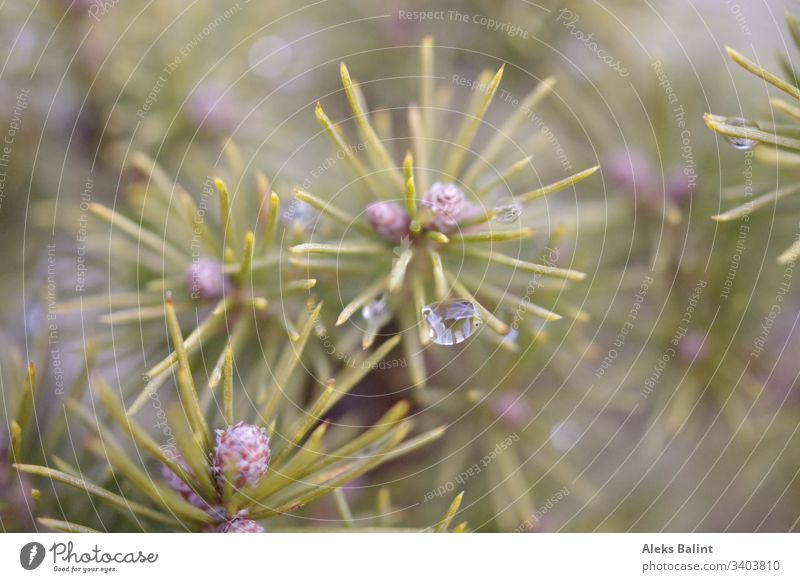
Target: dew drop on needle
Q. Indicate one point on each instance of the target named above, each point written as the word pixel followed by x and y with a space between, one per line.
pixel 450 322
pixel 376 313
pixel 507 211
pixel 742 143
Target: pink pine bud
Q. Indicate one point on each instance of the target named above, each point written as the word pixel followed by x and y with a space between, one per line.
pixel 389 220
pixel 693 346
pixel 632 171
pixel 512 409
pixel 679 188
pixel 240 525
pixel 206 280
pixel 211 106
pixel 241 454
pixel 447 203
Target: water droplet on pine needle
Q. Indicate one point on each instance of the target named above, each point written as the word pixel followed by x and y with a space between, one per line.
pixel 376 309
pixel 742 143
pixel 450 322
pixel 376 313
pixel 507 211
pixel 300 215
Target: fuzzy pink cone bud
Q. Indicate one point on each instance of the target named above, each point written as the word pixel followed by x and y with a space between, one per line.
pixel 693 346
pixel 679 190
pixel 512 409
pixel 389 220
pixel 631 170
pixel 206 280
pixel 447 203
pixel 241 454
pixel 211 106
pixel 240 525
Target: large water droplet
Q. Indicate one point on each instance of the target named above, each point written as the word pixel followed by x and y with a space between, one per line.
pixel 508 210
pixel 742 143
pixel 450 322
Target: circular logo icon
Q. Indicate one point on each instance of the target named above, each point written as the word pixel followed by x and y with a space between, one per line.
pixel 31 555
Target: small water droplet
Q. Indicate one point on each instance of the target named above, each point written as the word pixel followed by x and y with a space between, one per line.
pixel 508 210
pixel 450 322
pixel 376 313
pixel 742 143
pixel 301 215
pixel 377 308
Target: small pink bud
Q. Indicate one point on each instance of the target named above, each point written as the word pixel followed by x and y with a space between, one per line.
pixel 206 280
pixel 389 220
pixel 447 202
pixel 693 346
pixel 241 454
pixel 511 408
pixel 211 106
pixel 631 171
pixel 240 525
pixel 679 189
